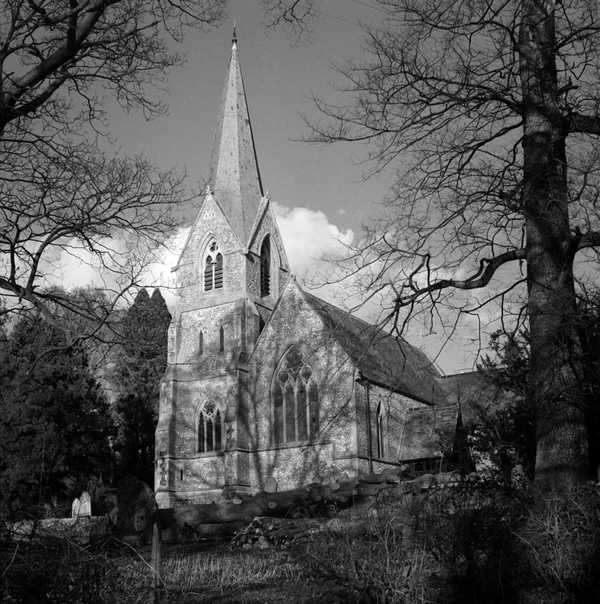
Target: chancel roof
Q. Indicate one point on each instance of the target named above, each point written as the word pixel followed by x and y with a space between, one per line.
pixel 380 357
pixel 234 175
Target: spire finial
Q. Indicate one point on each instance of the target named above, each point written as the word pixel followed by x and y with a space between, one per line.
pixel 234 37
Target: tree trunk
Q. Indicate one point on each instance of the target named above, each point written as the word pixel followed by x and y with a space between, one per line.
pixel 561 456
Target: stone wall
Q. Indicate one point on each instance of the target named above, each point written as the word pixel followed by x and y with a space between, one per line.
pixel 407 427
pixel 210 223
pixel 295 323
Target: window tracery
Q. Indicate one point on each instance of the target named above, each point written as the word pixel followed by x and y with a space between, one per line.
pixel 210 428
pixel 213 267
pixel 295 399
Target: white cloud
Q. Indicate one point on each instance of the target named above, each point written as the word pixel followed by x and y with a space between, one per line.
pixel 310 239
pixel 159 273
pixel 311 242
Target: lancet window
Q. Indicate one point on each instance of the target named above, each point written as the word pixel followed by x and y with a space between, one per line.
pixel 265 267
pixel 213 267
pixel 380 431
pixel 295 400
pixel 210 428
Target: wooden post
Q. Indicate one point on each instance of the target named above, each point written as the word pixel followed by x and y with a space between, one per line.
pixel 156 559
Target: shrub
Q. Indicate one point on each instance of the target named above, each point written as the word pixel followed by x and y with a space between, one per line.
pixel 561 546
pixel 469 532
pixel 372 560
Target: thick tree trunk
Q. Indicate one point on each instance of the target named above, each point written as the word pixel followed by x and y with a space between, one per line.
pixel 561 457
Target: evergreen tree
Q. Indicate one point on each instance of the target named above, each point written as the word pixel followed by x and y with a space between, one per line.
pixel 143 362
pixel 55 422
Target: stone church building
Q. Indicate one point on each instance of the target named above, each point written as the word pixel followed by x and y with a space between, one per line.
pixel 267 386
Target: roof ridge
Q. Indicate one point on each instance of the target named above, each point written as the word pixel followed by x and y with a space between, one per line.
pixel 357 318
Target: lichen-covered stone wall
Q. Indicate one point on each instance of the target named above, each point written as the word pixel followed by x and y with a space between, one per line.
pixel 295 323
pixel 210 223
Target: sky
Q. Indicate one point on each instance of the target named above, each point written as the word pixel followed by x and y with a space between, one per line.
pixel 319 191
pixel 280 76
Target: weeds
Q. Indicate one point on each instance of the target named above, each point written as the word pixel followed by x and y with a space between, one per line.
pixel 475 543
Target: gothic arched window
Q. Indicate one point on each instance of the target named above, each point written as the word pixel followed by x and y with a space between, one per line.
pixel 221 339
pixel 380 432
pixel 210 428
pixel 265 267
pixel 200 343
pixel 208 274
pixel 295 400
pixel 213 267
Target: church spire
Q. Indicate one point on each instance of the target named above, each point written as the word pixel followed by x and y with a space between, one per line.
pixel 234 174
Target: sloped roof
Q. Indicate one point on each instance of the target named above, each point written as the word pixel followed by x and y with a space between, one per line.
pixel 234 174
pixel 381 358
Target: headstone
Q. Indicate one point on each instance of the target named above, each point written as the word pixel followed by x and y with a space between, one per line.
pixel 270 485
pixel 75 508
pixel 85 507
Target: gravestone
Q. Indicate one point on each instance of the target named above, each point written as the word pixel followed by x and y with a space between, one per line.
pixel 75 508
pixel 270 485
pixel 85 507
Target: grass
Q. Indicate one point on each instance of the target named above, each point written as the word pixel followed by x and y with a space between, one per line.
pixel 502 550
pixel 219 574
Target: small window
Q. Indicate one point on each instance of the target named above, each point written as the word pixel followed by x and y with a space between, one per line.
pixel 219 272
pixel 208 274
pixel 213 268
pixel 380 433
pixel 221 339
pixel 200 343
pixel 265 267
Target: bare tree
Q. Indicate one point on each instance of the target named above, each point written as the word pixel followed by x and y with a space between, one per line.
pixel 59 61
pixel 113 212
pixel 296 16
pixel 54 48
pixel 489 110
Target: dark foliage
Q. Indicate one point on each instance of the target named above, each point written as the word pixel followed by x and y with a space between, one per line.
pixel 54 419
pixel 508 433
pixel 138 375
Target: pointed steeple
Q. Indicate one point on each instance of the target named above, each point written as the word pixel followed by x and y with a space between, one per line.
pixel 234 174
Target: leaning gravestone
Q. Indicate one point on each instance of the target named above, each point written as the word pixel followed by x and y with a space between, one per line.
pixel 85 507
pixel 75 508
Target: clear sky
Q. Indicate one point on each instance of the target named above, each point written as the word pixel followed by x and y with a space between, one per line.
pixel 320 192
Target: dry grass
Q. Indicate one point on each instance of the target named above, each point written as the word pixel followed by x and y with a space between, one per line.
pixel 203 576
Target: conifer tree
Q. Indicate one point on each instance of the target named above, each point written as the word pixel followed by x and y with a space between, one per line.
pixel 55 422
pixel 143 362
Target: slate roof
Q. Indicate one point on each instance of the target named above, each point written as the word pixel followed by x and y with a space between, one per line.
pixel 382 358
pixel 234 174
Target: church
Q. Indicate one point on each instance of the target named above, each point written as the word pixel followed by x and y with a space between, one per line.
pixel 267 386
